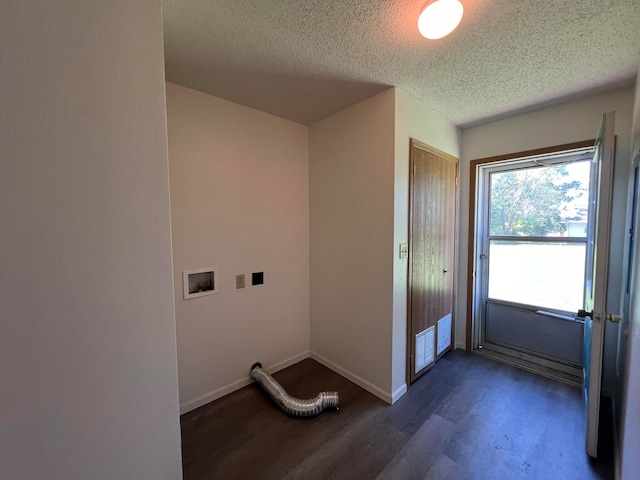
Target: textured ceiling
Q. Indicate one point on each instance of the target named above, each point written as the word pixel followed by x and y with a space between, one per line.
pixel 306 59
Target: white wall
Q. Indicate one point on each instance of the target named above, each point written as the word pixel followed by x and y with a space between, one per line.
pixel 87 349
pixel 570 122
pixel 412 120
pixel 630 419
pixel 239 202
pixel 351 172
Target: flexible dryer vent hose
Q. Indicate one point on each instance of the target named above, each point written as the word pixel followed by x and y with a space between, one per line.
pixel 293 406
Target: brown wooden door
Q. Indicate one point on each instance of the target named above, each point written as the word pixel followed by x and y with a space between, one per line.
pixel 432 230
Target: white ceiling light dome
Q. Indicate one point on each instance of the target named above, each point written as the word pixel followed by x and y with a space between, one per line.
pixel 439 18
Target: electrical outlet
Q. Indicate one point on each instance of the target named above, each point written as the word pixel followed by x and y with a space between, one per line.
pixel 257 278
pixel 240 281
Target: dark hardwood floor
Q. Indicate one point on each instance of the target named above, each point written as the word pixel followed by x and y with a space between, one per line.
pixel 467 418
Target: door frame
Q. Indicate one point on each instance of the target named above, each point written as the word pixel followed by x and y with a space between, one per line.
pixel 413 143
pixel 472 323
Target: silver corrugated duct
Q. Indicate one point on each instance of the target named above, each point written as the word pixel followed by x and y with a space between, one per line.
pixel 291 405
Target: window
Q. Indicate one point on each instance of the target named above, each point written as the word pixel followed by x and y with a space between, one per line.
pixel 536 220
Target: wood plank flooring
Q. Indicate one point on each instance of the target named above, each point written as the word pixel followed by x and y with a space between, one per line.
pixel 469 417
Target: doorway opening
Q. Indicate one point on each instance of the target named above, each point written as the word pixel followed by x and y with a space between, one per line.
pixel 531 255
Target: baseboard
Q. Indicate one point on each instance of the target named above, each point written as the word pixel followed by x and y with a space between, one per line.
pixel 460 346
pixel 214 395
pixel 237 385
pixel 361 382
pixel 398 393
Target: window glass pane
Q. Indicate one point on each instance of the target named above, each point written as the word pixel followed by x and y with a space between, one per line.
pixel 540 201
pixel 549 275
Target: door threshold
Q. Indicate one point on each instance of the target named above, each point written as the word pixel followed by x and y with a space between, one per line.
pixel 524 365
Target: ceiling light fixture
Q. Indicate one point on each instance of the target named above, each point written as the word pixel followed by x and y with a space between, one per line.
pixel 439 18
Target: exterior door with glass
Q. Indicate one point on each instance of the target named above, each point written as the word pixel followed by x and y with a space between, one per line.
pixel 594 311
pixel 542 257
pixel 533 251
